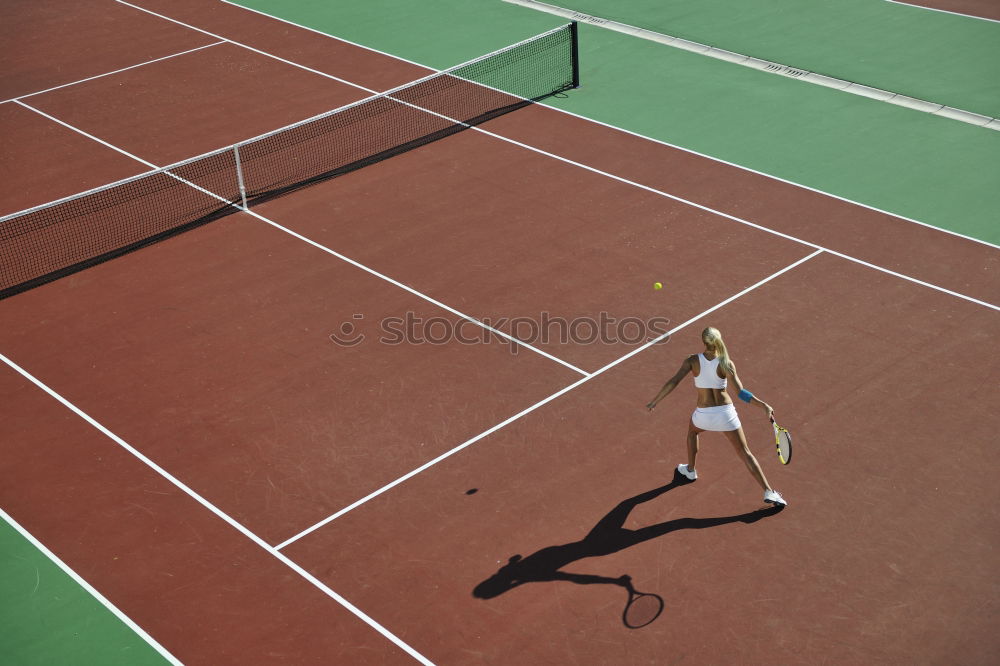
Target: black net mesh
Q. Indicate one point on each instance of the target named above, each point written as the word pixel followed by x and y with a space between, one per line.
pixel 402 119
pixel 57 240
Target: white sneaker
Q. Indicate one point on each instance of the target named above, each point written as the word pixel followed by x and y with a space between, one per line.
pixel 774 497
pixel 690 476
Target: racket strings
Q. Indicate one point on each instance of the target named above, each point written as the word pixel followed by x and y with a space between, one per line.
pixel 784 441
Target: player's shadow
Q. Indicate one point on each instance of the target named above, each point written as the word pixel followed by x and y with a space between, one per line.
pixel 607 536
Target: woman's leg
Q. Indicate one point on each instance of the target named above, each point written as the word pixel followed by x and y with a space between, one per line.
pixel 739 442
pixel 692 441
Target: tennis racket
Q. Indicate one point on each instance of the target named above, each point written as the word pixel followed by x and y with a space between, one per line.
pixel 783 442
pixel 642 608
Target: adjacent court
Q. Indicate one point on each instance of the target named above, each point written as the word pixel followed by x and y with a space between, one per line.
pixel 214 433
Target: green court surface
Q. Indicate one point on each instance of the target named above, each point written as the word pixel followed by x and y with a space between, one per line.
pixel 938 171
pixel 943 58
pixel 47 618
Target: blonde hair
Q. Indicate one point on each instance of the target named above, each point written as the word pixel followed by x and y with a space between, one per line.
pixel 713 340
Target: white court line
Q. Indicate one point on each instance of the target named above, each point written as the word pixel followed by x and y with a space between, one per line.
pixel 642 136
pixel 413 291
pixel 943 11
pixel 125 619
pixel 326 34
pixel 538 404
pixel 249 48
pixel 219 513
pixel 86 134
pixel 117 71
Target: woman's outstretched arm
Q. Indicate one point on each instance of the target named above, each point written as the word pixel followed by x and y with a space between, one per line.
pixel 671 383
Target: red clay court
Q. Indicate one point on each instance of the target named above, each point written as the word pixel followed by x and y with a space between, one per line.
pixel 180 429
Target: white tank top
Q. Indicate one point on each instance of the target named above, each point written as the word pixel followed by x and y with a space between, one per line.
pixel 709 378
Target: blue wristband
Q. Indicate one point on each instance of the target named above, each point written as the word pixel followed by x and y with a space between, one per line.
pixel 745 395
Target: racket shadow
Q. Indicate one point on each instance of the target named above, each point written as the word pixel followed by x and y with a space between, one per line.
pixel 606 537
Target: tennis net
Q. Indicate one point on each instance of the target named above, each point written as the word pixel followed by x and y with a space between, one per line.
pixel 60 238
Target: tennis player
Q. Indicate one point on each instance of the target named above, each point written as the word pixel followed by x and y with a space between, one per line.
pixel 715 412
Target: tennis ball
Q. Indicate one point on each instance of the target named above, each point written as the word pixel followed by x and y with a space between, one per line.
pixel 657 285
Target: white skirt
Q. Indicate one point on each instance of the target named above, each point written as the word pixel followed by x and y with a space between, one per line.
pixel 717 419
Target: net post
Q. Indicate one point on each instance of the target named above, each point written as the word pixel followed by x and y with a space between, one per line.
pixel 239 176
pixel 575 46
